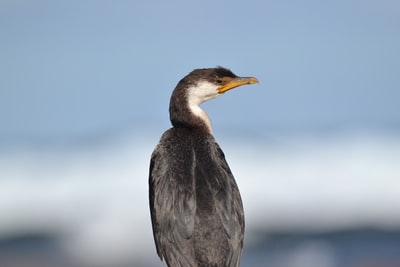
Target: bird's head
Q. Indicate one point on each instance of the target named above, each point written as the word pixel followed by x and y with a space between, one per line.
pixel 197 87
pixel 206 84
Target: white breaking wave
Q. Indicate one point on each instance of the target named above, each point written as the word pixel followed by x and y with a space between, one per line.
pixel 95 197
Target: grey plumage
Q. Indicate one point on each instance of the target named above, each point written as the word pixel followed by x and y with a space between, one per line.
pixel 196 208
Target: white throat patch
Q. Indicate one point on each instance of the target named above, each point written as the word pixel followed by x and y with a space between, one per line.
pixel 198 94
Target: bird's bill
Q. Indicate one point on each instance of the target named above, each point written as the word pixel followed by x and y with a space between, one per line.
pixel 236 82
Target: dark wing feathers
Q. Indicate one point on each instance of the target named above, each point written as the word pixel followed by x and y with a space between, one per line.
pixel 230 209
pixel 173 201
pixel 172 211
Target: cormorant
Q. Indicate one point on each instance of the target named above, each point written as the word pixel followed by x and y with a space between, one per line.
pixel 195 204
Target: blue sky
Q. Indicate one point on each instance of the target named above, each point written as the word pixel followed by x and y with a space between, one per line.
pixel 80 68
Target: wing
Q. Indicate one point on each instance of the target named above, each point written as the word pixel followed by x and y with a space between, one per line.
pixel 230 208
pixel 172 203
pixel 224 198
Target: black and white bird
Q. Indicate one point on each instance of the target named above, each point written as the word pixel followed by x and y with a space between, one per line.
pixel 196 209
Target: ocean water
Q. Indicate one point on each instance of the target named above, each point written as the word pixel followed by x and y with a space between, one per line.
pixel 87 200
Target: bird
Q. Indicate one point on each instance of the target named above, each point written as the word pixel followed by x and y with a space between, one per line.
pixel 195 204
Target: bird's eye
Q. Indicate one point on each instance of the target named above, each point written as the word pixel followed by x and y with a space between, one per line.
pixel 219 81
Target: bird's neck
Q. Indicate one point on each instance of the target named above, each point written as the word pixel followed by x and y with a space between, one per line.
pixel 189 115
pixel 197 111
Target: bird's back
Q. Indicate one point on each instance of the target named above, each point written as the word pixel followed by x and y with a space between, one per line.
pixel 196 208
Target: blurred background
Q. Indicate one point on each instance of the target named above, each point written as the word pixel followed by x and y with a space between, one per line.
pixel 314 147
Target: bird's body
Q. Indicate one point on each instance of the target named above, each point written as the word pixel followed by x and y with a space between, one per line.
pixel 195 204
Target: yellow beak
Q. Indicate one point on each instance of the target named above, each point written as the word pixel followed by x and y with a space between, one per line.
pixel 236 82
